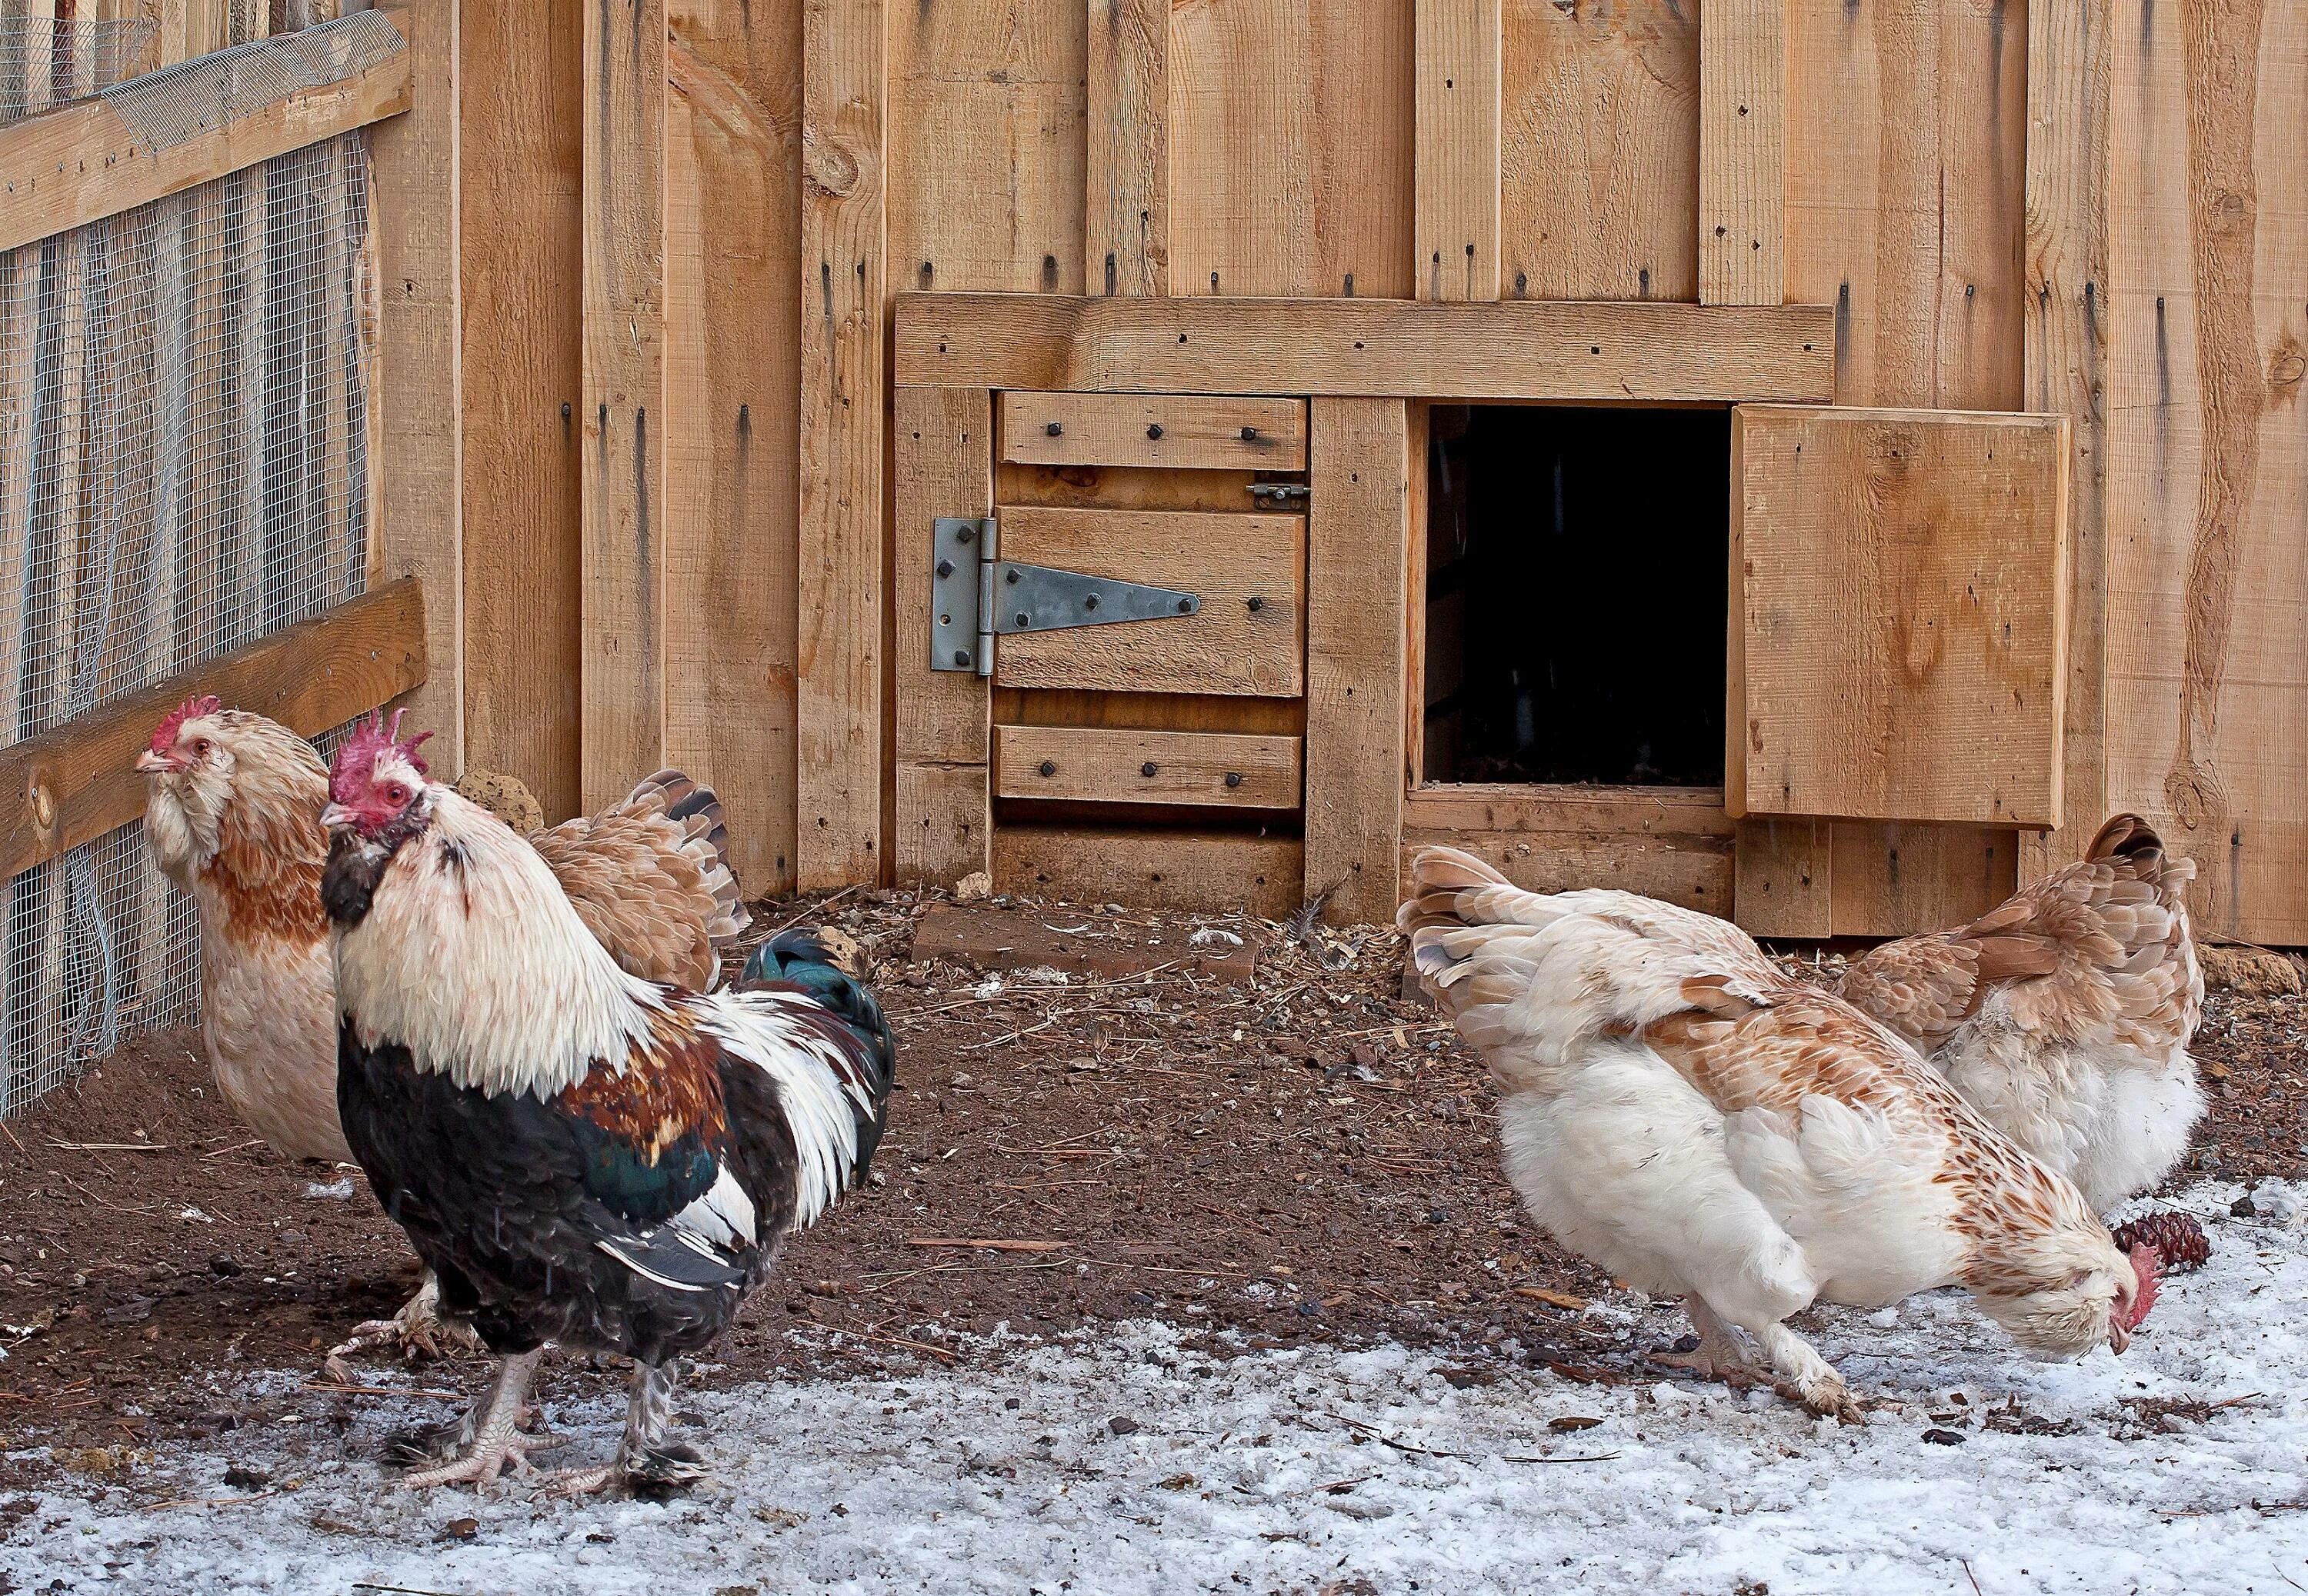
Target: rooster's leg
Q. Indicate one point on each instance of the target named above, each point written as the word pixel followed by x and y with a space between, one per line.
pixel 496 1438
pixel 647 1463
pixel 1722 1356
pixel 418 1327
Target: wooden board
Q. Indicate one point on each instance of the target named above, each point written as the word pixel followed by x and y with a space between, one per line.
pixel 77 782
pixel 1668 843
pixel 1457 221
pixel 1225 646
pixel 417 448
pixel 733 195
pixel 81 163
pixel 1743 152
pixel 1150 867
pixel 1181 430
pixel 2207 457
pixel 522 244
pixel 987 153
pixel 623 412
pixel 1598 152
pixel 944 455
pixel 2066 367
pixel 1321 92
pixel 1902 602
pixel 1603 352
pixel 844 397
pixel 1358 532
pixel 1212 769
pixel 1126 215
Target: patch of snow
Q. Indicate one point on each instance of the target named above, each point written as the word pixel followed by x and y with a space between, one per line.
pixel 1126 1463
pixel 339 1189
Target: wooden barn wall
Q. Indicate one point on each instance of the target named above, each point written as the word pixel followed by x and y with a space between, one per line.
pixel 2135 259
pixel 2208 439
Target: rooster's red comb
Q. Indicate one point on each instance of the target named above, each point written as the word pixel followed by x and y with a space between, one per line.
pixel 164 735
pixel 355 760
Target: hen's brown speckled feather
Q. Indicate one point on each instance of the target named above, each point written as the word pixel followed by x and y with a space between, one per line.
pixel 2098 948
pixel 650 879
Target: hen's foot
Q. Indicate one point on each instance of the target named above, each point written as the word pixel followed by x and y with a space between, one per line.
pixel 1717 1353
pixel 1806 1377
pixel 439 1442
pixel 417 1327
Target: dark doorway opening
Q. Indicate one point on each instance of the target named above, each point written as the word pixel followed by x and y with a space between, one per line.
pixel 1576 594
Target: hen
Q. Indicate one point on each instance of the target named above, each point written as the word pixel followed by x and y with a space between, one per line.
pixel 233 816
pixel 2064 1016
pixel 1680 1111
pixel 583 1157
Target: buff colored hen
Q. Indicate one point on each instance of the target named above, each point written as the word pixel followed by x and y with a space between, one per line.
pixel 1678 1110
pixel 2064 1016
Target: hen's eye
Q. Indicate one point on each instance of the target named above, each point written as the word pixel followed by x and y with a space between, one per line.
pixel 201 748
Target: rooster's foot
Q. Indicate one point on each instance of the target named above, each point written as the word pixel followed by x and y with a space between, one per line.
pixel 496 1438
pixel 417 1327
pixel 439 1442
pixel 655 1474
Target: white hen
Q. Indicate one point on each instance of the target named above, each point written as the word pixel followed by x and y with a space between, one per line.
pixel 1678 1110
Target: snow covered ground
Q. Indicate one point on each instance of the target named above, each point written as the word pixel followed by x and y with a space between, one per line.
pixel 1351 1471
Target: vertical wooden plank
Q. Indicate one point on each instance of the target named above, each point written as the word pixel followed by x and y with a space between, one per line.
pixel 622 481
pixel 1457 209
pixel 733 331
pixel 522 245
pixel 945 468
pixel 1742 152
pixel 416 205
pixel 1362 131
pixel 1358 536
pixel 2066 367
pixel 1598 152
pixel 843 395
pixel 1240 223
pixel 1126 244
pixel 986 151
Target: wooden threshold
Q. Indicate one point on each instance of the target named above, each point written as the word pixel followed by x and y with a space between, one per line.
pixel 77 783
pixel 68 168
pixel 1601 351
pixel 1675 844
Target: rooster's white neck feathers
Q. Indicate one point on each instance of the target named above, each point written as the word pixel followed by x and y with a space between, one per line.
pixel 471 958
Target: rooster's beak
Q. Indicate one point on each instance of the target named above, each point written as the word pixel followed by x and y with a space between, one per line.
pixel 149 763
pixel 336 816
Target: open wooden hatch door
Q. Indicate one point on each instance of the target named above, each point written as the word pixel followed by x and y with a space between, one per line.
pixel 1898 616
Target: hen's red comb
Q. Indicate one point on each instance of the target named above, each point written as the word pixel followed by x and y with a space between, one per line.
pixel 2147 1266
pixel 355 760
pixel 164 735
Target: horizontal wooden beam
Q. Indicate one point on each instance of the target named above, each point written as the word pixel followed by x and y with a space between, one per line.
pixel 77 783
pixel 1588 351
pixel 82 163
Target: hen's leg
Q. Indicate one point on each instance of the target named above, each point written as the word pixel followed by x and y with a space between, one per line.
pixel 1808 1378
pixel 1720 1355
pixel 647 1463
pixel 417 1327
pixel 496 1438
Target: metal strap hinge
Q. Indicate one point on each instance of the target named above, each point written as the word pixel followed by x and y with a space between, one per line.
pixel 976 596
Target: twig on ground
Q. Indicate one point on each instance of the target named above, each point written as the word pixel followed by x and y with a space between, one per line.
pixel 990 1244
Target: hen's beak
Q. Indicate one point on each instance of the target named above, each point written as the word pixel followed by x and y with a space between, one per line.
pixel 335 815
pixel 2118 1337
pixel 149 763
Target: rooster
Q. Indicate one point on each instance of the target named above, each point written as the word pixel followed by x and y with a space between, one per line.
pixel 1679 1110
pixel 233 816
pixel 2064 1016
pixel 583 1157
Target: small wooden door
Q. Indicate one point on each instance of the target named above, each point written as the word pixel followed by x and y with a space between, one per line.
pixel 1899 625
pixel 1167 759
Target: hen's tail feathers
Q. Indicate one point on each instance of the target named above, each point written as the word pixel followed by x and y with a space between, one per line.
pixel 697 809
pixel 2127 839
pixel 797 958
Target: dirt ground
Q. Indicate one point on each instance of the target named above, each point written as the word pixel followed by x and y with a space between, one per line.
pixel 1310 1157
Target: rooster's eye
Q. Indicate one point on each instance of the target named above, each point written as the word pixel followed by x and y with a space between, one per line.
pixel 396 793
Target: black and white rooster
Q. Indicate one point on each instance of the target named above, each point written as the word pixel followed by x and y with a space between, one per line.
pixel 583 1157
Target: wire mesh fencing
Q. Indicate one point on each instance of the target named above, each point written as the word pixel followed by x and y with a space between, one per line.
pixel 184 469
